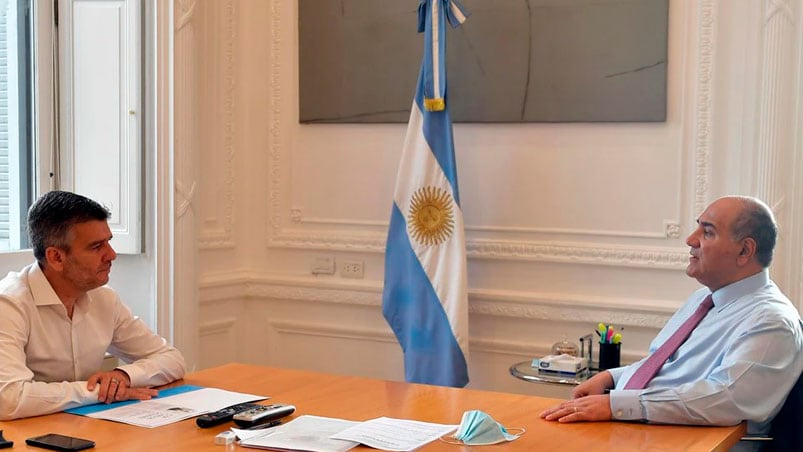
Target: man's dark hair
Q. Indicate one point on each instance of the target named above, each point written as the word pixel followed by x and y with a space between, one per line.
pixel 756 221
pixel 52 215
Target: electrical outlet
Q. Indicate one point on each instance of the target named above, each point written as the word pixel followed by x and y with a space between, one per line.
pixel 351 269
pixel 323 265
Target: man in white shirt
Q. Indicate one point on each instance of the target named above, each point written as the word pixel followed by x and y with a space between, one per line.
pixel 740 361
pixel 58 319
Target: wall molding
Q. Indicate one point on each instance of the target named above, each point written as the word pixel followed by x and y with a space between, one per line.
pixel 328 330
pixel 275 124
pixel 220 236
pixel 221 326
pixel 669 228
pixel 567 307
pixel 582 253
pixel 671 258
pixel 184 177
pixel 705 45
pixel 794 270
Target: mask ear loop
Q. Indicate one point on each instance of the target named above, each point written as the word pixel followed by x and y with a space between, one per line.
pixel 449 439
pixel 521 430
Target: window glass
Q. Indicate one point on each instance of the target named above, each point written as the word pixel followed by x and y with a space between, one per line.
pixel 16 122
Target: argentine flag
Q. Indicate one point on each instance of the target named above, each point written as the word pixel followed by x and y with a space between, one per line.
pixel 425 298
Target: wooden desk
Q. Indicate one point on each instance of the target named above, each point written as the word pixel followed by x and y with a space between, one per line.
pixel 357 398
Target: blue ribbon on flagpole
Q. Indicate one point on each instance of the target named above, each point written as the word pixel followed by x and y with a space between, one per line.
pixel 432 17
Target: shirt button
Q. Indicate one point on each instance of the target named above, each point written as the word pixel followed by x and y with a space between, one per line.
pixel 619 413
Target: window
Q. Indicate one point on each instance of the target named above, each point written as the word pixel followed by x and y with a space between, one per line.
pixel 70 116
pixel 16 122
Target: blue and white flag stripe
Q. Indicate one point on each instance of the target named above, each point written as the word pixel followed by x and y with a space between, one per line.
pixel 425 298
pixel 435 14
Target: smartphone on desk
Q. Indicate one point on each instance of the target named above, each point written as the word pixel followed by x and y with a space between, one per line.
pixel 54 441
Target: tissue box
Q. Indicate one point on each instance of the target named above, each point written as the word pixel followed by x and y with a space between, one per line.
pixel 560 364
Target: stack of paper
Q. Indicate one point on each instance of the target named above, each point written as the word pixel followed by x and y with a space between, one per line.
pixel 172 405
pixel 323 434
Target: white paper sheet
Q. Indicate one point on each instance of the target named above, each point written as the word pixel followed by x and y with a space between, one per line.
pixel 394 434
pixel 166 410
pixel 304 433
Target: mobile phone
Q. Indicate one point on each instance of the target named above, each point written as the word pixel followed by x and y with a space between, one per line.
pixel 54 441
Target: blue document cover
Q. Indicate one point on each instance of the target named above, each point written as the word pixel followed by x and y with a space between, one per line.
pixel 96 407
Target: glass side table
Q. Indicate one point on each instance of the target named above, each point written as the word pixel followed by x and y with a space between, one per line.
pixel 525 371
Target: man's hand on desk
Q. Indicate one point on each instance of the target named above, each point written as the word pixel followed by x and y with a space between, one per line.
pixel 594 385
pixel 588 408
pixel 115 386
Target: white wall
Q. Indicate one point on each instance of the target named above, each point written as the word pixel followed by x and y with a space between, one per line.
pixel 567 225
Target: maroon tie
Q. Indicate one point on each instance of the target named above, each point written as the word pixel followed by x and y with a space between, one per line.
pixel 653 364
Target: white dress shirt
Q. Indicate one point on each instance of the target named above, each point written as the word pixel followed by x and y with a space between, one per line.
pixel 46 357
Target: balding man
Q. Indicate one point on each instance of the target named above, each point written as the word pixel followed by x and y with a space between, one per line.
pixel 738 363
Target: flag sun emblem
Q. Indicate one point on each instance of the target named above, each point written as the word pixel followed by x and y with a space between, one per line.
pixel 431 218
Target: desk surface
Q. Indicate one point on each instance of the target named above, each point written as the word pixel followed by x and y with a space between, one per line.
pixel 357 398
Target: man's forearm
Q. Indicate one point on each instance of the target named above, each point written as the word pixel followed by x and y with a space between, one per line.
pixel 26 399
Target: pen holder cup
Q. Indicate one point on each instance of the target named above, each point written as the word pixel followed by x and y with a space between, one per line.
pixel 609 356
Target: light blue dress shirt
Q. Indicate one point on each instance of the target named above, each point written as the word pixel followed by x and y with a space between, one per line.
pixel 738 364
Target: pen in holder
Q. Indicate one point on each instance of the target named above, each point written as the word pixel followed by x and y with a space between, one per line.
pixel 609 356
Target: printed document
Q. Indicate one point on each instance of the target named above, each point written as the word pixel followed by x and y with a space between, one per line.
pixel 394 434
pixel 304 433
pixel 172 405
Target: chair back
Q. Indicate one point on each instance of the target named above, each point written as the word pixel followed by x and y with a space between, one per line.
pixel 787 427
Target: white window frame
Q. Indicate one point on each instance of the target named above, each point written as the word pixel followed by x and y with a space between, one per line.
pixel 43 137
pixel 98 38
pixel 54 167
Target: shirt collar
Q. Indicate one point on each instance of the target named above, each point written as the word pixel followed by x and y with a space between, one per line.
pixel 42 291
pixel 732 291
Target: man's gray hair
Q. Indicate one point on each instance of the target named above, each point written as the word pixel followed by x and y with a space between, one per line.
pixel 51 217
pixel 757 221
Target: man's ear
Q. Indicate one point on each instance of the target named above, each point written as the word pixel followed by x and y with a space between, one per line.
pixel 748 250
pixel 55 258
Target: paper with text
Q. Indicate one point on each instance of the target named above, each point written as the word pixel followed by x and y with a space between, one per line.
pixel 394 434
pixel 304 433
pixel 166 410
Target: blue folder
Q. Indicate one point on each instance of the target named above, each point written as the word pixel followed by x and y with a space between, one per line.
pixel 96 407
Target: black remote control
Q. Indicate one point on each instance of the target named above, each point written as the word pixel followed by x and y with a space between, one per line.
pixel 224 415
pixel 263 413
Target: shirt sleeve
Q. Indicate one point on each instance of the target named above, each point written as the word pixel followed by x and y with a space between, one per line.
pixel 616 373
pixel 20 396
pixel 750 383
pixel 150 361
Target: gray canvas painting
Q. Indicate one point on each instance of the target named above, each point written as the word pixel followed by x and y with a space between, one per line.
pixel 511 61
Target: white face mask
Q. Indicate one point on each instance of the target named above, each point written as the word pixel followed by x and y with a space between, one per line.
pixel 478 429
